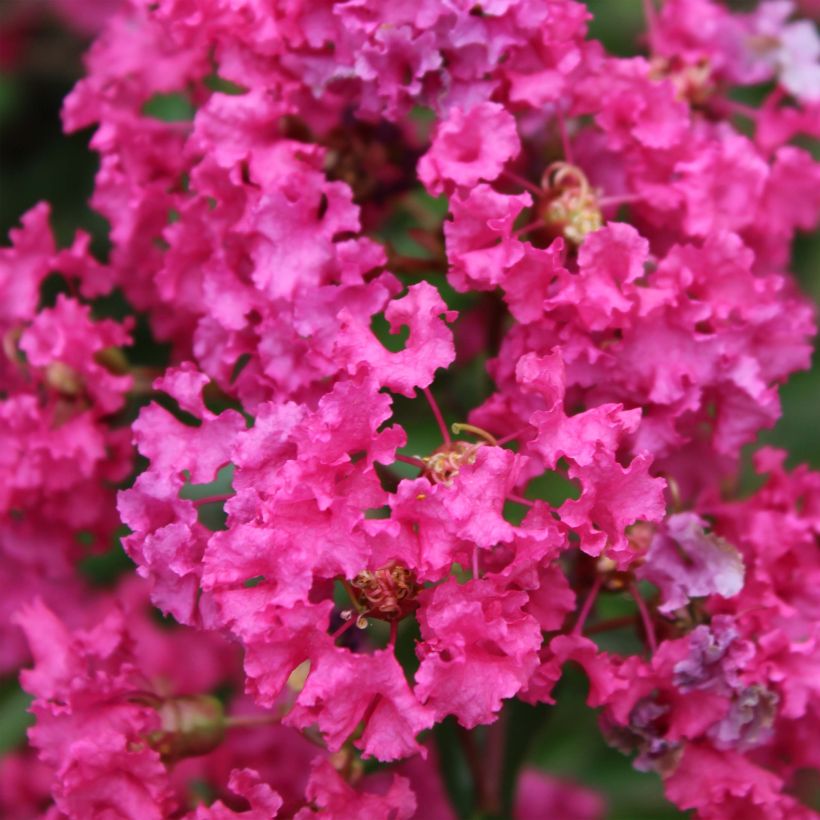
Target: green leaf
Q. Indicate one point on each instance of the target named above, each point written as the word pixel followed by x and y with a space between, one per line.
pixel 14 717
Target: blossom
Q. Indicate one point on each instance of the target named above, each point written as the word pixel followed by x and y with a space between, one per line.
pixel 469 146
pixel 685 562
pixel 342 563
pixel 479 649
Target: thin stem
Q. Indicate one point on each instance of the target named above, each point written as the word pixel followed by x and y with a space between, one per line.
pixel 512 436
pixel 394 634
pixel 249 721
pixel 445 433
pixel 524 183
pixel 775 97
pixel 416 462
pixel 476 766
pixel 344 627
pixel 646 619
pixel 212 499
pixel 476 564
pixel 565 143
pixel 611 623
pixel 622 199
pixel 538 223
pixel 741 110
pixel 494 754
pixel 588 604
pixel 650 15
pixel 519 499
pixel 411 264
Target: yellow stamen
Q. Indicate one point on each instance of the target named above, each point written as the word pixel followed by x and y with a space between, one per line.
pixel 460 427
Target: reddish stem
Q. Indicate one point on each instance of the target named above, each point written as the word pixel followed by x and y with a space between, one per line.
pixel 511 437
pixel 212 499
pixel 249 721
pixel 445 433
pixel 646 619
pixel 524 183
pixel 612 623
pixel 651 15
pixel 565 143
pixel 476 765
pixel 519 499
pixel 394 634
pixel 345 626
pixel 538 223
pixel 727 106
pixel 588 604
pixel 622 199
pixel 494 754
pixel 416 462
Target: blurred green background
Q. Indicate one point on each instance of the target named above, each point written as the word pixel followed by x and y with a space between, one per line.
pixel 38 162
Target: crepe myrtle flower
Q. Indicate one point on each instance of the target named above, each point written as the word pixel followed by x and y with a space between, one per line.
pixel 615 235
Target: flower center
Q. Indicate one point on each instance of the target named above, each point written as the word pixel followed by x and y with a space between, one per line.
pixel 446 462
pixel 570 206
pixel 388 594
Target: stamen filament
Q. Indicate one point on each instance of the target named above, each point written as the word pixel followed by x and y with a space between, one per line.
pixel 460 427
pixel 351 593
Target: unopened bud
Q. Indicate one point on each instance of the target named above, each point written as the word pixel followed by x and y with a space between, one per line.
pixel 64 379
pixel 190 726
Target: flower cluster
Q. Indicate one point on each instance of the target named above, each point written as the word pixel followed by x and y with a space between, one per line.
pixel 299 196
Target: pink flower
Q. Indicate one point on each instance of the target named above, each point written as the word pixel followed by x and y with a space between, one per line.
pixel 619 245
pixel 24 266
pixel 469 146
pixel 344 688
pixel 429 345
pixel 685 562
pixel 338 800
pixel 479 648
pixel 264 801
pixel 722 186
pixel 727 785
pixel 540 796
